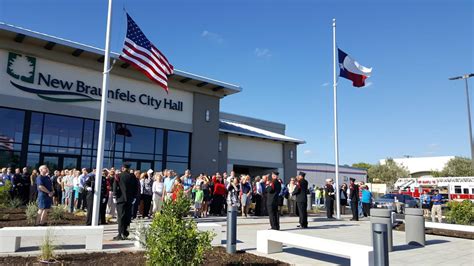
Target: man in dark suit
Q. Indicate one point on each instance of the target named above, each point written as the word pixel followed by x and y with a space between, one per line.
pixel 354 197
pixel 89 186
pixel 273 189
pixel 124 194
pixel 330 197
pixel 301 192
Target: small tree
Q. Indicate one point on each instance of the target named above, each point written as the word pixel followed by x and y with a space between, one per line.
pixel 173 239
pixel 388 173
pixel 458 166
pixel 5 194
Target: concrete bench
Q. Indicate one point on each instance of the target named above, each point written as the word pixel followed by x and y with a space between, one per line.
pixel 271 241
pixel 10 237
pixel 454 227
pixel 215 228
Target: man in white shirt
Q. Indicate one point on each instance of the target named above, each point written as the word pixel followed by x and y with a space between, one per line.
pixel 169 181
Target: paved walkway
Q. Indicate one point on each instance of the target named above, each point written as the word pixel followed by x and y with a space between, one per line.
pixel 439 250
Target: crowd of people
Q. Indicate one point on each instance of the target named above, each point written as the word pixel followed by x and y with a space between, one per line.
pixel 127 194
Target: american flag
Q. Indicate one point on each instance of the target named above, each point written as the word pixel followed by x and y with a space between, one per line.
pixel 141 53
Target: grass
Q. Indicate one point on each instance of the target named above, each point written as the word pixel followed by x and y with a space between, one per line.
pixel 47 249
pixel 57 214
pixel 31 212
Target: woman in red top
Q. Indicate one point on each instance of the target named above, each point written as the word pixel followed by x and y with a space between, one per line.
pixel 177 188
pixel 218 196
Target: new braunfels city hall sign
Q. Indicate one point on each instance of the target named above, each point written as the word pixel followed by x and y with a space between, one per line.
pixel 22 70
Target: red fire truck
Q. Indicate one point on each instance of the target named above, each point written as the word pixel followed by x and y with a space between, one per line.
pixel 452 188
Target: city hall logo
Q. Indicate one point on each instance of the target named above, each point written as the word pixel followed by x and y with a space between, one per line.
pixel 25 77
pixel 23 68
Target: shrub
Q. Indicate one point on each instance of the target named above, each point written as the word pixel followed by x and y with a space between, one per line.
pixel 460 212
pixel 5 193
pixel 47 249
pixel 173 239
pixel 31 212
pixel 57 213
pixel 15 203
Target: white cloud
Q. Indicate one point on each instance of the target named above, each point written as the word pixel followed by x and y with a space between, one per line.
pixel 307 152
pixel 262 52
pixel 212 36
pixel 325 84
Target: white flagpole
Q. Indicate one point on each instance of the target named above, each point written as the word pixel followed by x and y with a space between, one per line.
pixel 102 122
pixel 336 144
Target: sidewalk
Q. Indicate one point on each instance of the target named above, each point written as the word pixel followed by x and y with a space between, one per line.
pixel 439 250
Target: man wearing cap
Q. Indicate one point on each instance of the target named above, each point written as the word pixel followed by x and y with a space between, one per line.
pixel 354 197
pixel 330 197
pixel 301 192
pixel 125 192
pixel 273 188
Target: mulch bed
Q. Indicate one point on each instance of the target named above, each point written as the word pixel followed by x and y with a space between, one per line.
pixel 441 232
pixel 217 256
pixel 17 217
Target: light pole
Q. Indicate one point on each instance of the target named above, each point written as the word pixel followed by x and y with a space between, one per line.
pixel 465 77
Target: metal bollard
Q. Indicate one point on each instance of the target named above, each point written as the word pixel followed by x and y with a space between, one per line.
pixel 71 201
pixel 231 241
pixel 380 242
pixel 414 227
pixel 383 216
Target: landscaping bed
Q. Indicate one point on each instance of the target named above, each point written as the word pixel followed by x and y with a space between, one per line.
pixel 217 256
pixel 441 232
pixel 12 217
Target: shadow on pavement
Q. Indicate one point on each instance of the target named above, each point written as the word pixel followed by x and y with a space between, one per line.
pixel 428 243
pixel 319 256
pixel 326 226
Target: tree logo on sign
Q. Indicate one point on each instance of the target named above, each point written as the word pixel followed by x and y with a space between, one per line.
pixel 21 67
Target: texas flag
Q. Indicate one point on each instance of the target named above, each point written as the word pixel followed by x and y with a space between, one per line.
pixel 352 70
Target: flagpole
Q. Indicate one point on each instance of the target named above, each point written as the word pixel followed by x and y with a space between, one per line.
pixel 336 144
pixel 102 122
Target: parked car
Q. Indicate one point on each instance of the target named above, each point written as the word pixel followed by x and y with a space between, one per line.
pixel 396 202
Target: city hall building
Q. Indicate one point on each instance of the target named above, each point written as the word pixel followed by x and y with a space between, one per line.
pixel 50 91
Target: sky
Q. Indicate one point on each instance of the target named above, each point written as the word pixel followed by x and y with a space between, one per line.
pixel 280 53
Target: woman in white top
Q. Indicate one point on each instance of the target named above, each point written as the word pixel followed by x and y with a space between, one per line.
pixel 291 198
pixel 76 182
pixel 158 194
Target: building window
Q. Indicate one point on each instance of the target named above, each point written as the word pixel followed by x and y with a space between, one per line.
pixel 62 131
pixel 178 143
pixel 11 135
pixel 139 139
pixel 36 128
pixel 72 142
pixel 177 151
pixel 12 125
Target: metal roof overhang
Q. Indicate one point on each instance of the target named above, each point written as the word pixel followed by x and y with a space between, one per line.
pixel 254 132
pixel 76 49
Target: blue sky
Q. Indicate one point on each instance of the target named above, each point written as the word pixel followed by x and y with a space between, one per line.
pixel 280 52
